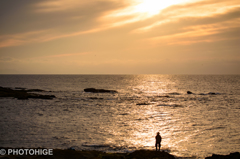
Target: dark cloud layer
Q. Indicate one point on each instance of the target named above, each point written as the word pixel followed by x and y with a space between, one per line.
pixel 25 16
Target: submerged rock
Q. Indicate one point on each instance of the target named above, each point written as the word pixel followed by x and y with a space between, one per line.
pixel 93 90
pixel 22 94
pixel 213 93
pixel 143 104
pixel 210 93
pixel 166 96
pixel 174 93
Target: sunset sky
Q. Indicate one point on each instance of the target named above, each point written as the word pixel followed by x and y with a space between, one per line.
pixel 119 37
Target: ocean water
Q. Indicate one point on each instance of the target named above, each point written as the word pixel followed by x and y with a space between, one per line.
pixel 198 124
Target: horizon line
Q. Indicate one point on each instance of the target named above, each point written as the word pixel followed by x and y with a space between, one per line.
pixel 120 74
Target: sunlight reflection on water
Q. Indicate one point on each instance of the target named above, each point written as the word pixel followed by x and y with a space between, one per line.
pixel 128 120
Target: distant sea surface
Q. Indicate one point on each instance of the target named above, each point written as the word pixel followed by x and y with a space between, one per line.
pixel 198 124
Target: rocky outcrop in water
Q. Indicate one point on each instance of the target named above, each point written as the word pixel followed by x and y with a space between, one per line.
pixel 235 155
pixel 23 93
pixel 93 90
pixel 189 92
pixel 210 93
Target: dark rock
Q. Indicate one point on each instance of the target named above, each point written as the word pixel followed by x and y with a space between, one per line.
pixel 235 155
pixel 212 93
pixel 189 92
pixel 41 96
pixel 111 156
pixel 142 104
pixel 35 90
pixel 22 94
pixel 166 96
pixel 93 90
pixel 147 154
pixel 71 148
pixel 174 93
pixel 4 157
pixel 95 98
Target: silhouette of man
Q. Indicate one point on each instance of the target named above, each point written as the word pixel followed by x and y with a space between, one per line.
pixel 158 140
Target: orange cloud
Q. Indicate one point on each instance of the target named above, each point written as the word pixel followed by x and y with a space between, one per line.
pixel 59 5
pixel 40 36
pixel 22 38
pixel 198 33
pixel 200 9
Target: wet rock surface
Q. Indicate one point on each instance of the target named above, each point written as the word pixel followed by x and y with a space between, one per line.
pixel 23 93
pixel 94 90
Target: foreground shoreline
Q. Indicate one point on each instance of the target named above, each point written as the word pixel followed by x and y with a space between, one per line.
pixel 43 153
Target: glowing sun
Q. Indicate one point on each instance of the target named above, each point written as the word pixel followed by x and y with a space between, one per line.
pixel 153 7
pixel 139 10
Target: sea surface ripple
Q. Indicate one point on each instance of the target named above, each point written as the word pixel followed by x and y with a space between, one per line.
pixel 197 124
